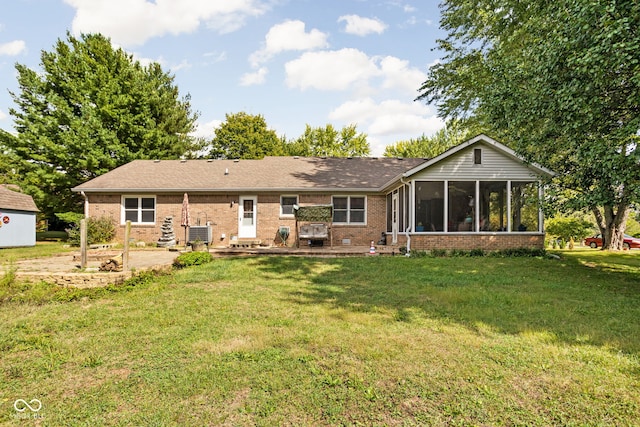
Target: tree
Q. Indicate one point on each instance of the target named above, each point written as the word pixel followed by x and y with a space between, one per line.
pixel 329 142
pixel 8 171
pixel 454 133
pixel 561 81
pixel 91 109
pixel 569 227
pixel 245 136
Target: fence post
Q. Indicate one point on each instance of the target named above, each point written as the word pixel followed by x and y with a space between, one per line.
pixel 125 253
pixel 83 243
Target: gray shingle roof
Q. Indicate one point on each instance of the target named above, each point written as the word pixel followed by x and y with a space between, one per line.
pixel 16 201
pixel 268 174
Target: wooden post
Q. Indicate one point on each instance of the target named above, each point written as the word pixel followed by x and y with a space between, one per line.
pixel 125 252
pixel 83 243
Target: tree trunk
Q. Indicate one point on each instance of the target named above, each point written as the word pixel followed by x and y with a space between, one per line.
pixel 612 225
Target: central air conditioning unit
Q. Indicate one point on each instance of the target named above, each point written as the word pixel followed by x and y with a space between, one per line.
pixel 200 233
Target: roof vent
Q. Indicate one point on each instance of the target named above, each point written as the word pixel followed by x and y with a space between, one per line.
pixel 156 161
pixel 236 160
pixel 183 161
pixel 226 171
pixel 209 160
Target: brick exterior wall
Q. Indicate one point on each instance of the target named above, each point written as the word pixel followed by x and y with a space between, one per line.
pixel 484 241
pixel 221 211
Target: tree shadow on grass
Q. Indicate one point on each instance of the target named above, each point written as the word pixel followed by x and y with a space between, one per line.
pixel 575 303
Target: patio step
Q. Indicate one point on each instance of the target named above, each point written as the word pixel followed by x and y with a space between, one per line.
pixel 245 243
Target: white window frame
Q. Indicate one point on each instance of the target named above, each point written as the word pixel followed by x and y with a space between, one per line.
pixel 292 214
pixel 139 209
pixel 478 157
pixel 349 222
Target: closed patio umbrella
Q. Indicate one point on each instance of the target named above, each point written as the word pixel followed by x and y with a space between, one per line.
pixel 185 220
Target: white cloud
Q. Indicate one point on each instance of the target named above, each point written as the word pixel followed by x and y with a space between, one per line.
pixel 2 115
pixel 183 65
pixel 362 26
pixel 398 74
pixel 330 70
pixel 409 116
pixel 206 130
pixel 257 78
pixel 145 62
pixel 352 69
pixel 133 22
pixel 405 124
pixel 388 121
pixel 288 36
pixel 216 56
pixel 13 48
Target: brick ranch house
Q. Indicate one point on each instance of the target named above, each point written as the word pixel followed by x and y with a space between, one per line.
pixel 479 194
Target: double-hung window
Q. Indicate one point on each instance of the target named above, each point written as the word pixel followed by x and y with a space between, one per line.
pixel 286 205
pixel 139 209
pixel 349 209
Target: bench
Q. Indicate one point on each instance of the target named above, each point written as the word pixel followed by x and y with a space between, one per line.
pixel 314 232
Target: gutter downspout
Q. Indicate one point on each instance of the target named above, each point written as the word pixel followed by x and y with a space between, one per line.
pixel 411 213
pixel 86 204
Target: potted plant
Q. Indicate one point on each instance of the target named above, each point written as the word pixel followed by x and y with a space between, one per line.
pixel 198 246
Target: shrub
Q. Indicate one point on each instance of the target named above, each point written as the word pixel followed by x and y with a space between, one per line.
pixel 459 253
pixel 417 253
pixel 519 252
pixel 515 252
pixel 188 259
pixel 99 230
pixel 438 253
pixel 476 252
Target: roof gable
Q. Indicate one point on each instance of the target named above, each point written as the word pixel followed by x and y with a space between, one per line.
pixel 478 140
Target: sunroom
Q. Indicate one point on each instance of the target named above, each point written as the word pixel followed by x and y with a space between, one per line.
pixel 474 195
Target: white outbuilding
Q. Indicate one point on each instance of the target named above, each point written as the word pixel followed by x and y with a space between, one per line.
pixel 17 218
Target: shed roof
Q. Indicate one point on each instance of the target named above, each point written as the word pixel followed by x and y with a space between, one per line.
pixel 10 199
pixel 268 174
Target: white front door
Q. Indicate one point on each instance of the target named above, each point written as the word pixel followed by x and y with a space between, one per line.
pixel 247 217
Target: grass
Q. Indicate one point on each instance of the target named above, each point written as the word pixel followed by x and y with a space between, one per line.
pixel 347 341
pixel 40 250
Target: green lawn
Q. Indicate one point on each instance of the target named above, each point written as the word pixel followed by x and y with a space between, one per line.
pixel 347 341
pixel 41 249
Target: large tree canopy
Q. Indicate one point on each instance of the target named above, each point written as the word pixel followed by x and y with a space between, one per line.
pixel 245 136
pixel 92 108
pixel 561 81
pixel 454 133
pixel 329 142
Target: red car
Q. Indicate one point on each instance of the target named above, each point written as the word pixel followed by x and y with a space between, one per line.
pixel 629 242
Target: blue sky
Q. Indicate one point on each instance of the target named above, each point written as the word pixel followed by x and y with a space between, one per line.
pixel 295 62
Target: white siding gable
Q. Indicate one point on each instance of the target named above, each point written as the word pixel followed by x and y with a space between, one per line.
pixel 495 165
